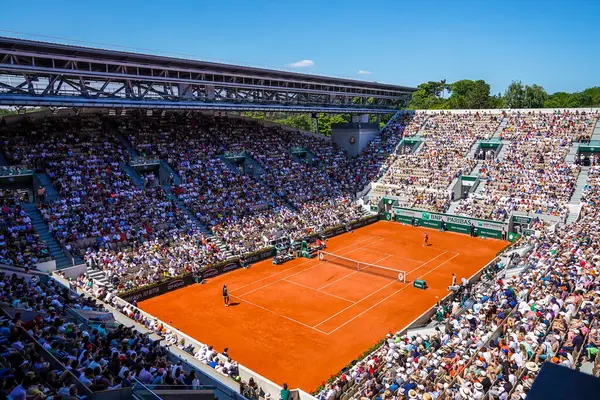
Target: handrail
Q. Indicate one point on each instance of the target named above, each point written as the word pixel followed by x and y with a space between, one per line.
pixel 137 383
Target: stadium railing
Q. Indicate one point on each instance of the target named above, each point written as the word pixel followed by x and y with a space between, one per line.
pixel 224 386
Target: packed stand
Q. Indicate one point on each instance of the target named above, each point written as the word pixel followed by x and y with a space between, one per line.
pixel 100 208
pixel 447 137
pixel 244 211
pixel 157 372
pixel 533 177
pixel 20 244
pixel 493 336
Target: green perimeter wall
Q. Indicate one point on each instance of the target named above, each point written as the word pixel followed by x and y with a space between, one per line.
pixel 484 228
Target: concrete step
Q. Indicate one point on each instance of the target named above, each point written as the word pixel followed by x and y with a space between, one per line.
pixel 502 125
pixel 234 168
pixel 481 186
pixel 135 177
pixel 51 192
pixel 419 148
pixel 596 131
pixel 3 161
pixel 503 150
pixel 41 228
pixel 130 149
pixel 453 206
pixel 167 167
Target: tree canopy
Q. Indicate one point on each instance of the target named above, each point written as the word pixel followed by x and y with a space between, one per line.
pixel 470 94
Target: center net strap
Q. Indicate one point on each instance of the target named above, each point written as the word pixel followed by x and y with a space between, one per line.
pixel 360 266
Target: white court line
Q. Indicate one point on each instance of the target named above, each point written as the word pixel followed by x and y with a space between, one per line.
pixel 280 315
pixel 318 291
pixel 346 276
pixel 352 305
pixel 392 255
pixel 364 298
pixel 304 270
pixel 391 295
pixel 302 263
pixel 420 245
pixel 450 259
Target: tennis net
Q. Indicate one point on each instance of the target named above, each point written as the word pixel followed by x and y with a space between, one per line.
pixel 362 266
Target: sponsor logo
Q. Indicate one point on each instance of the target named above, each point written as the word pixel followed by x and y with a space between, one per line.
pixel 210 273
pixel 230 267
pixel 175 284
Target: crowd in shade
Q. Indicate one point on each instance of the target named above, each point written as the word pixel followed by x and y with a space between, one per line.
pixel 420 179
pixel 251 184
pixel 96 356
pixel 20 244
pixel 152 374
pixel 533 176
pixel 492 336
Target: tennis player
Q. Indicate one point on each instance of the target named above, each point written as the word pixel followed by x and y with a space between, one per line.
pixel 225 296
pixel 425 239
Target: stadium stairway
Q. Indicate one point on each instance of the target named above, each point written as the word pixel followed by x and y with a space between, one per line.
pixel 476 168
pixel 99 277
pixel 452 207
pixel 502 125
pixel 575 201
pixel 502 153
pixel 419 148
pixel 42 229
pixel 135 177
pixel 169 170
pixel 422 128
pixel 481 187
pixel 394 118
pixel 257 169
pixel 130 149
pixel 572 155
pixel 3 161
pixel 51 192
pixel 195 222
pixel 473 149
pixel 230 165
pixel 596 131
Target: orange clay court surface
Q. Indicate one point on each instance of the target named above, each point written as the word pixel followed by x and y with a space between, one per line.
pixel 304 320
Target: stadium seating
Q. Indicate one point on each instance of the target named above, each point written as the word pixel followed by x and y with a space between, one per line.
pixel 533 176
pixel 489 338
pixel 20 245
pixel 421 179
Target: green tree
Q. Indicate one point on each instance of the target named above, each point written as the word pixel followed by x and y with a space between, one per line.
pixel 467 94
pixel 298 121
pixel 429 96
pixel 325 121
pixel 534 96
pixel 594 93
pixel 513 97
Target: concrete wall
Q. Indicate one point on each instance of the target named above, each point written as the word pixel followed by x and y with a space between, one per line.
pixel 47 266
pixel 342 135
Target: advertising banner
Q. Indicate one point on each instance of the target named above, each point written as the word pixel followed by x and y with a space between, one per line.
pixel 452 223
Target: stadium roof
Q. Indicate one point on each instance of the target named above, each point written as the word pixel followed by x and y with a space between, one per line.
pixel 34 69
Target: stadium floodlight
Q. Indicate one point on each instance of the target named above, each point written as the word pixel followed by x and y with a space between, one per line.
pixel 123 112
pixel 148 112
pixel 163 113
pixel 112 112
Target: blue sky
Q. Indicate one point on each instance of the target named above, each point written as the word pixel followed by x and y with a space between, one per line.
pixel 551 43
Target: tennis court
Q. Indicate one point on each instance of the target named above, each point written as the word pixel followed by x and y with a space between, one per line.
pixel 304 320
